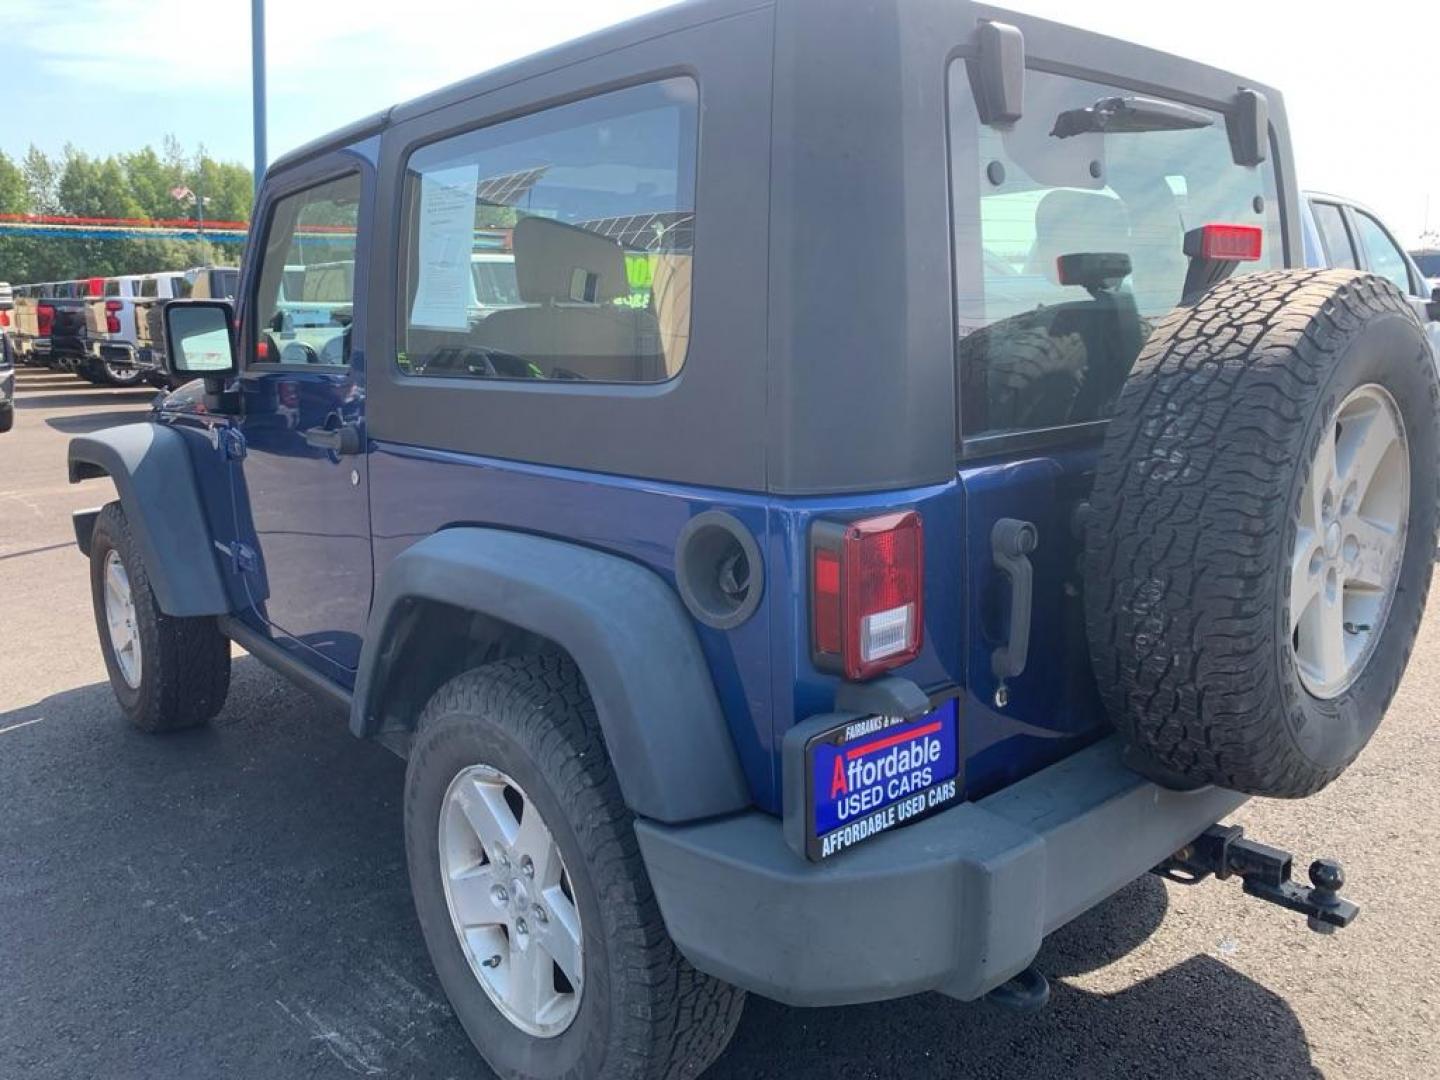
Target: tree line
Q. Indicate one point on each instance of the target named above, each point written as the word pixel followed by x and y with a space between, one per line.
pixel 133 185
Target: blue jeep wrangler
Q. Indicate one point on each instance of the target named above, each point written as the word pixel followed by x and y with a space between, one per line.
pixel 819 500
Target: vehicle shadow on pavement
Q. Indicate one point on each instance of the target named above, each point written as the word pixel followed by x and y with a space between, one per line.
pixel 234 902
pixel 1198 1018
pixel 27 397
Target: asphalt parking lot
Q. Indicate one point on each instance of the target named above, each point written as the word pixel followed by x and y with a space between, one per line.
pixel 233 902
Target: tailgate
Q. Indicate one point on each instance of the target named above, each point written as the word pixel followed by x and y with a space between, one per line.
pixel 95 317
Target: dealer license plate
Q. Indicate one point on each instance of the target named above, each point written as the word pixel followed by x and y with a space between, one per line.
pixel 871 775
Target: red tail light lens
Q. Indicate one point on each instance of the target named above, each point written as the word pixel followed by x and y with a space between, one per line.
pixel 1226 243
pixel 44 319
pixel 4 318
pixel 867 585
pixel 112 320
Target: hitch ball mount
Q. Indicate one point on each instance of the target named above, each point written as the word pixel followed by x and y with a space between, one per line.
pixel 1223 851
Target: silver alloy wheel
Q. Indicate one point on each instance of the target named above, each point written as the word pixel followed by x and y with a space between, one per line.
pixel 1350 541
pixel 511 901
pixel 120 618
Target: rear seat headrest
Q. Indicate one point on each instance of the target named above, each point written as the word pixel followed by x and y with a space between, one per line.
pixel 560 263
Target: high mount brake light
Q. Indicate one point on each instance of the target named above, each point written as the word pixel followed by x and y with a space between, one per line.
pixel 867 593
pixel 1226 243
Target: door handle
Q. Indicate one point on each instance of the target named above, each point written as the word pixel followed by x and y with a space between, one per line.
pixel 1011 543
pixel 344 439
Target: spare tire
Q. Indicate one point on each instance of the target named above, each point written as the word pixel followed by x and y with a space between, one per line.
pixel 1262 530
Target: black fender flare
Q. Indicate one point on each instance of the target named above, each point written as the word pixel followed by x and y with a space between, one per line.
pixel 622 625
pixel 151 468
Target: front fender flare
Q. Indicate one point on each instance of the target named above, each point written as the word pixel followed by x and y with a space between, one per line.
pixel 150 466
pixel 624 628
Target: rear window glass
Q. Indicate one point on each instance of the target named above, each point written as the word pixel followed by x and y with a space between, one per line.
pixel 149 287
pixel 1037 352
pixel 556 245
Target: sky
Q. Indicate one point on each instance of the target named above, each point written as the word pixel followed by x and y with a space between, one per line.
pixel 1361 82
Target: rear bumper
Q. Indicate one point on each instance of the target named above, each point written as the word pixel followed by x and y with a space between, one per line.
pixel 957 903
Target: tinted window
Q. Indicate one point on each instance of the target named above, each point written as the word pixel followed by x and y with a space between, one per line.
pixel 306 291
pixel 1334 235
pixel 1429 263
pixel 555 246
pixel 112 288
pixel 1069 245
pixel 1381 252
pixel 149 287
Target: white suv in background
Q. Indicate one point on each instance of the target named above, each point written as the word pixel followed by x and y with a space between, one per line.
pixel 1341 232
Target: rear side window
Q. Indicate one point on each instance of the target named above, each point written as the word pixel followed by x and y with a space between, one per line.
pixel 1334 235
pixel 555 246
pixel 112 288
pixel 1382 253
pixel 149 287
pixel 1041 346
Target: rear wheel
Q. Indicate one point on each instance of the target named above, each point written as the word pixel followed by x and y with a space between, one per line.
pixel 122 376
pixel 1264 528
pixel 168 673
pixel 531 892
pixel 7 416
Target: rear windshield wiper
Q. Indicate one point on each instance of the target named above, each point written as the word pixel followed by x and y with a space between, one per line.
pixel 1129 114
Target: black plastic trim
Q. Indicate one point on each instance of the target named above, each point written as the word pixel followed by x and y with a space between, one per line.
pixel 151 468
pixel 622 625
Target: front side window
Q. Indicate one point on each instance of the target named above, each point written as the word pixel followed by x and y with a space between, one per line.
pixel 1334 235
pixel 1383 255
pixel 1069 234
pixel 305 295
pixel 555 246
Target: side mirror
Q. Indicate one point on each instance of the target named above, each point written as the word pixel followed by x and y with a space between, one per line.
pixel 200 341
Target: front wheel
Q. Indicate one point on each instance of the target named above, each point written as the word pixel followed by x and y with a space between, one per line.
pixel 168 673
pixel 531 892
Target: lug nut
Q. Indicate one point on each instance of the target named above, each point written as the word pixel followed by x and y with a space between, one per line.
pixel 521 928
pixel 499 895
pixel 527 867
pixel 540 916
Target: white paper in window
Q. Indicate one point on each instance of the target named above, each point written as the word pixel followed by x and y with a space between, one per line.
pixel 447 239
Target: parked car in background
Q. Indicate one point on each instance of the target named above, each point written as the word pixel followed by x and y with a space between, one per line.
pixel 7 381
pixel 112 322
pixel 199 283
pixel 1428 260
pixel 69 334
pixel 1342 233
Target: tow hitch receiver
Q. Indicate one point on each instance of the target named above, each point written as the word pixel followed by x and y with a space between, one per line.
pixel 1223 851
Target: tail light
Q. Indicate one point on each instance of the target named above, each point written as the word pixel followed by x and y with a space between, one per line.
pixel 112 316
pixel 866 594
pixel 44 319
pixel 1225 243
pixel 4 318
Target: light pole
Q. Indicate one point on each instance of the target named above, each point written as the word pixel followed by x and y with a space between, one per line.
pixel 257 83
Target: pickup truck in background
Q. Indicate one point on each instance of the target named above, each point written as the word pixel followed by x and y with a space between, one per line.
pixel 198 283
pixel 1342 233
pixel 112 322
pixel 69 347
